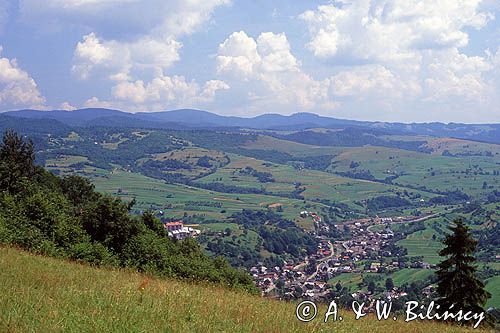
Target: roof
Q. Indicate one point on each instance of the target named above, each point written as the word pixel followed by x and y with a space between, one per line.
pixel 174 223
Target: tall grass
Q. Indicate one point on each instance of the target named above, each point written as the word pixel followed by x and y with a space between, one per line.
pixel 40 294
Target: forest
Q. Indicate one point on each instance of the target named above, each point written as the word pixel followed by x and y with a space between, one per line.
pixel 66 218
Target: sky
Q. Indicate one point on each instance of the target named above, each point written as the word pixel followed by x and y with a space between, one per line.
pixel 387 60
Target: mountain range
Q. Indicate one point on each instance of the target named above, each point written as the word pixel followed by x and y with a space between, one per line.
pixel 190 118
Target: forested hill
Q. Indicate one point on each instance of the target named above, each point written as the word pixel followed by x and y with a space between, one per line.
pixel 66 218
pixel 298 121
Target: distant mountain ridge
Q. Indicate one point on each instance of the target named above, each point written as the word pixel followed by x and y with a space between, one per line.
pixel 190 118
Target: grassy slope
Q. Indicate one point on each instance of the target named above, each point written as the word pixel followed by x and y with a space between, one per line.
pixel 43 294
pixel 406 275
pixel 417 168
pixel 420 243
pixel 318 184
pixel 153 192
pixel 493 286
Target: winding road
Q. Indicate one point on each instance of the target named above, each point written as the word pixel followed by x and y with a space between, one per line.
pixel 423 218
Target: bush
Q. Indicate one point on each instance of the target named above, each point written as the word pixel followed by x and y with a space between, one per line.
pixel 92 253
pixel 67 218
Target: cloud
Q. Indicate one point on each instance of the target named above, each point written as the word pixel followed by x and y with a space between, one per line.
pixel 146 43
pixel 95 102
pixel 167 90
pixel 148 31
pixel 364 80
pixel 118 59
pixel 17 88
pixel 238 54
pixel 162 92
pixel 67 106
pixel 448 73
pixel 271 73
pixel 139 17
pixel 154 50
pixel 391 30
pixel 406 54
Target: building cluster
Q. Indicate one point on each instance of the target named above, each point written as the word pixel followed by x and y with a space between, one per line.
pixel 319 226
pixel 366 244
pixel 294 280
pixel 177 230
pixel 364 252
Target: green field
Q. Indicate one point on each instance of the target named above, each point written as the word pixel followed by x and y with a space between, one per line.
pixel 175 199
pixel 318 184
pixel 48 295
pixel 436 172
pixel 493 286
pixel 409 275
pixel 416 169
pixel 399 277
pixel 347 280
pixel 421 243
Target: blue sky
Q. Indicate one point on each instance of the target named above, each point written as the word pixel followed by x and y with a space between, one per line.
pixel 394 60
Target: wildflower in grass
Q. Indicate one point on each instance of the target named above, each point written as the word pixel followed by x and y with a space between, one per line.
pixel 142 287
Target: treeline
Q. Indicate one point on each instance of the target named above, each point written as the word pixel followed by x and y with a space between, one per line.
pixel 386 201
pixel 352 137
pixel 263 177
pixel 489 241
pixel 280 236
pixel 261 230
pixel 321 162
pixel 358 174
pixel 448 198
pixel 67 218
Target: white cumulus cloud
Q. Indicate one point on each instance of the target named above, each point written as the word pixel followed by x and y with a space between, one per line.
pixel 391 29
pixel 17 87
pixel 166 90
pixel 403 54
pixel 136 60
pixel 117 59
pixel 272 74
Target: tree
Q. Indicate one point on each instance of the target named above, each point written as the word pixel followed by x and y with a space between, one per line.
pixel 78 190
pixel 457 281
pixel 149 219
pixel 389 284
pixel 17 162
pixel 372 287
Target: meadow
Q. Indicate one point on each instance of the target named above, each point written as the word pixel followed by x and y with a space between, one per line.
pixel 399 277
pixel 176 199
pixel 317 184
pixel 420 243
pixel 473 163
pixel 41 294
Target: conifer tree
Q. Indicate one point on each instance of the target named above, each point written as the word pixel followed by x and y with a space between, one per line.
pixel 457 281
pixel 389 284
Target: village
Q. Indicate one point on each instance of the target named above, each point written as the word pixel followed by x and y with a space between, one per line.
pixel 366 251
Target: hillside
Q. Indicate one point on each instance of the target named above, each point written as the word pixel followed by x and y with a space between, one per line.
pixel 207 177
pixel 43 294
pixel 312 214
pixel 297 121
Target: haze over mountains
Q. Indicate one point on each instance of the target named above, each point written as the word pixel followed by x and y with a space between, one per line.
pixel 189 118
